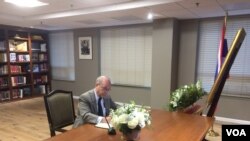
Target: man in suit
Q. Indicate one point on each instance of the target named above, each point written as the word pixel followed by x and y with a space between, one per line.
pixel 89 103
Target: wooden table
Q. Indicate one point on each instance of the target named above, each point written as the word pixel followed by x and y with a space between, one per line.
pixel 166 126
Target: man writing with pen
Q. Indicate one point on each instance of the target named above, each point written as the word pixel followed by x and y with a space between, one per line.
pixel 95 104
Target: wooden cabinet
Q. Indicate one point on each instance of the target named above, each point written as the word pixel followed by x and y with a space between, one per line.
pixel 24 64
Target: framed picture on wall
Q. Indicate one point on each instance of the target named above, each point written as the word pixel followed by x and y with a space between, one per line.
pixel 85 48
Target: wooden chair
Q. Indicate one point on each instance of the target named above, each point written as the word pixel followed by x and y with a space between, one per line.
pixel 60 110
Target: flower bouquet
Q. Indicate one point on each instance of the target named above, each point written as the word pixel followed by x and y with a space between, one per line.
pixel 129 118
pixel 185 96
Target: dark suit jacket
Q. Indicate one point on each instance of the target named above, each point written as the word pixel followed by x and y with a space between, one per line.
pixel 87 108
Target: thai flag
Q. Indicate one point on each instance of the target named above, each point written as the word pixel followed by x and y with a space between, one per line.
pixel 222 52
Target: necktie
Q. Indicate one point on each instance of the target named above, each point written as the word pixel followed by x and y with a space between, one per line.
pixel 100 112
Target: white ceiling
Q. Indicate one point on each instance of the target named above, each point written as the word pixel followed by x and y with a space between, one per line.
pixel 69 14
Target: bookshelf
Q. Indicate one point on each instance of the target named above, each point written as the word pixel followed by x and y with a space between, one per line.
pixel 24 63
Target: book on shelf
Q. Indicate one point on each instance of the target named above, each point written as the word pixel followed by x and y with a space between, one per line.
pixel 35 57
pixel 44 78
pixel 37 80
pixel 40 79
pixel 15 69
pixel 17 93
pixel 23 57
pixel 3 81
pixel 42 89
pixel 26 68
pixel 2 46
pixel 43 57
pixel 21 93
pixel 26 92
pixel 3 57
pixel 5 95
pixel 43 47
pixel 12 57
pixel 19 68
pixel 4 69
pixel 26 57
pixel 21 80
pixel 43 67
pixel 35 68
pixel 35 46
pixel 18 80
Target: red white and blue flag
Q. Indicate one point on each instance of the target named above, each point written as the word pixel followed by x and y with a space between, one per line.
pixel 222 52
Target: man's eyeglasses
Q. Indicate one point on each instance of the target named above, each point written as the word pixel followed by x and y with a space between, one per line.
pixel 105 88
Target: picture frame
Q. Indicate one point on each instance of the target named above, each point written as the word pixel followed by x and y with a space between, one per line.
pixel 85 47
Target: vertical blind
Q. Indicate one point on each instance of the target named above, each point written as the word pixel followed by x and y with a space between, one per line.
pixel 238 83
pixel 126 55
pixel 62 55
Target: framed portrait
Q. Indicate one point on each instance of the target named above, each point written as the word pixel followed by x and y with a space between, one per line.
pixel 85 48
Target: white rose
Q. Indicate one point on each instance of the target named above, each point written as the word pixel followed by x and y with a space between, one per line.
pixel 142 124
pixel 115 121
pixel 140 116
pixel 123 118
pixel 133 123
pixel 148 122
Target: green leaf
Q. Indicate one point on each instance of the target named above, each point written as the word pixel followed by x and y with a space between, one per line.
pixel 185 96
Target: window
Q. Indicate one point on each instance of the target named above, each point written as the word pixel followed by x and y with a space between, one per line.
pixel 126 55
pixel 62 55
pixel 238 84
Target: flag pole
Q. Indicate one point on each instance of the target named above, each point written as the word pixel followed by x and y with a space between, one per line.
pixel 211 131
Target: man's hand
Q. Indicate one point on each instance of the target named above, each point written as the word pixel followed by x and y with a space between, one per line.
pixel 108 119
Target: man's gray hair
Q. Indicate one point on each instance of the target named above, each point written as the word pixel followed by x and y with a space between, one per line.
pixel 100 79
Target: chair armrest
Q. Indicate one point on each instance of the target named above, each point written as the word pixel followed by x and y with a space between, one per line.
pixel 61 130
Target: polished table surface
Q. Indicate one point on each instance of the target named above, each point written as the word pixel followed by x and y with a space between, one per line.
pixel 166 126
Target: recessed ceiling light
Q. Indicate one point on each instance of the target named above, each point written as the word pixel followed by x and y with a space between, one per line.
pixel 26 3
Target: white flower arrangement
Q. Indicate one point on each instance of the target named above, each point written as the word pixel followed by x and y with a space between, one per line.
pixel 185 96
pixel 129 117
